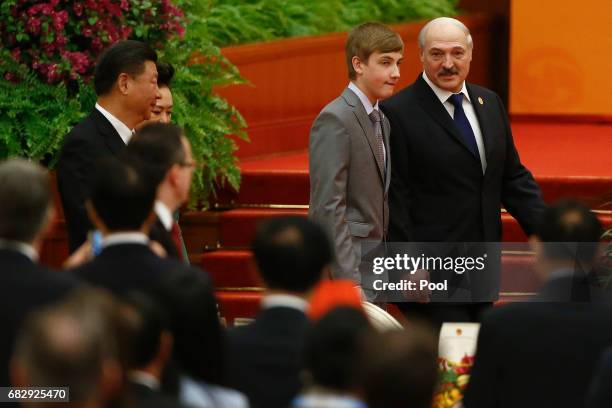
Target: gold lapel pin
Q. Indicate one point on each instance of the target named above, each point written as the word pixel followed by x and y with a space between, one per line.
pixel 480 101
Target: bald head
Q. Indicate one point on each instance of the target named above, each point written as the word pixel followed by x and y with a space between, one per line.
pixel 443 27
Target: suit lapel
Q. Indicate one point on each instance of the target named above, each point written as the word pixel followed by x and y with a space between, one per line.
pixel 111 138
pixel 486 126
pixel 366 125
pixel 432 106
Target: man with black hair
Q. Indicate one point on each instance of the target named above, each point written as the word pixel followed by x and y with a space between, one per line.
pixel 292 254
pixel 121 208
pixel 567 326
pixel 125 81
pixel 166 154
pixel 151 344
pixel 25 215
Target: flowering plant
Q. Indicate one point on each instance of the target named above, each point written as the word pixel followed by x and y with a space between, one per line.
pixel 454 377
pixel 60 39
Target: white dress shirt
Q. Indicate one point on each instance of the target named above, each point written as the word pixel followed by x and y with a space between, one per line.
pixel 164 214
pixel 124 132
pixel 21 247
pixel 468 108
pixel 294 302
pixel 125 238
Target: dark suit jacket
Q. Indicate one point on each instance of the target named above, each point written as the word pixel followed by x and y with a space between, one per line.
pixel 264 357
pixel 24 287
pixel 145 397
pixel 600 393
pixel 123 268
pixel 87 142
pixel 540 354
pixel 160 234
pixel 438 191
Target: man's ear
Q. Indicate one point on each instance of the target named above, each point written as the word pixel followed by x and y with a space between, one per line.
pixel 123 83
pixel 357 64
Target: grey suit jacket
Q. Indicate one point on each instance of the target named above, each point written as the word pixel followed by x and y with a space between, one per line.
pixel 348 185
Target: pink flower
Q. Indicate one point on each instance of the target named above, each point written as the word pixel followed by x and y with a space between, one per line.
pixel 78 9
pixel 33 25
pixel 16 53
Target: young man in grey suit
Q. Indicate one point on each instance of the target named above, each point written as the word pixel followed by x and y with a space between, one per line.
pixel 349 149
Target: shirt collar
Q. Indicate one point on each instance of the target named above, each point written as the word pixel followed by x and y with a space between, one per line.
pixel 143 378
pixel 443 94
pixel 164 214
pixel 291 301
pixel 363 98
pixel 21 247
pixel 125 238
pixel 124 132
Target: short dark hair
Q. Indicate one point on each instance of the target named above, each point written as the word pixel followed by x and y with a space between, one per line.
pixel 332 348
pixel 122 194
pixel 25 195
pixel 291 253
pixel 127 56
pixel 368 38
pixel 147 322
pixel 158 146
pixel 165 73
pixel 569 231
pixel 400 368
pixel 199 345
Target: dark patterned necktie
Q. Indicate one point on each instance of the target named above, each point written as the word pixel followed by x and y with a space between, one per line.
pixel 462 123
pixel 376 121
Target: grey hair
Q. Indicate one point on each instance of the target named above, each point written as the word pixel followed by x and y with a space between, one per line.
pixel 25 195
pixel 444 20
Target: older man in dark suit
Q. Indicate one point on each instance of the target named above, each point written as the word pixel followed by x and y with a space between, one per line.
pixel 25 214
pixel 125 81
pixel 454 160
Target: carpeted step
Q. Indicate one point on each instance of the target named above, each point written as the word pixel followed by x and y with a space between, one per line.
pixel 232 269
pixel 237 227
pixel 236 304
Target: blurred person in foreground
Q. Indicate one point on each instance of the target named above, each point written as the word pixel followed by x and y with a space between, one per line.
pixel 26 212
pixel 165 153
pixel 292 254
pixel 570 321
pixel 331 360
pixel 79 344
pixel 121 208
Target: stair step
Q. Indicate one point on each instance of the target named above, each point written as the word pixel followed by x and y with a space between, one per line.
pixel 237 227
pixel 236 269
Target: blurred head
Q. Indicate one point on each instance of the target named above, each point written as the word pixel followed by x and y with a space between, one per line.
pixel 446 52
pixel 150 338
pixel 73 344
pixel 198 337
pixel 162 112
pixel 165 153
pixel 399 369
pixel 332 349
pixel 25 194
pixel 291 253
pixel 568 233
pixel 373 55
pixel 121 196
pixel 127 71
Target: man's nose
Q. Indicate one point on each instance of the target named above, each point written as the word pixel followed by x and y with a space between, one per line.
pixel 448 61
